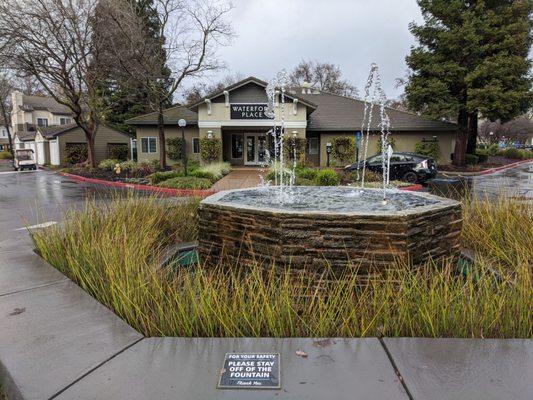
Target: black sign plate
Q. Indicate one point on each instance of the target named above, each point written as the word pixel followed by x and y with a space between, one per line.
pixel 248 111
pixel 250 371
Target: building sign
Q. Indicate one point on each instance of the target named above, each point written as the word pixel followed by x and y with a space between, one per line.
pixel 248 111
pixel 250 371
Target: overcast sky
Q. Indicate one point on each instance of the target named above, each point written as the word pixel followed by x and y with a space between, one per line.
pixel 276 34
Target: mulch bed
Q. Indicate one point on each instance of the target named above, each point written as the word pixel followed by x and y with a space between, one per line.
pixel 107 175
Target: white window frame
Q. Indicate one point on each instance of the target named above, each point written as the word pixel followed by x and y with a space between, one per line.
pixel 148 145
pixel 197 139
pixel 67 120
pixel 316 149
pixel 42 119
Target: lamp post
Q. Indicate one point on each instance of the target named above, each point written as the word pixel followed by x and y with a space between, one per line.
pixel 182 124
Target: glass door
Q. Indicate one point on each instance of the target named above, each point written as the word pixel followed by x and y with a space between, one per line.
pixel 251 149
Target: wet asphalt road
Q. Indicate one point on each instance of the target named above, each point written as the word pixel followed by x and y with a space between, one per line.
pixel 514 182
pixel 33 197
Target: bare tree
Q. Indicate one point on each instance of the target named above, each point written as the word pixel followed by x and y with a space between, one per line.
pixel 51 41
pixel 202 89
pixel 189 33
pixel 326 77
pixel 6 87
pixel 517 129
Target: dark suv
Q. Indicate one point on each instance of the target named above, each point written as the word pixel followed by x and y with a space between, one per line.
pixel 407 167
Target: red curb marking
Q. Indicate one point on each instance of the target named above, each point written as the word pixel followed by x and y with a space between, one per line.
pixel 503 167
pixel 161 190
pixel 413 188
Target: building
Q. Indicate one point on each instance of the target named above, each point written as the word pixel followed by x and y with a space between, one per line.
pixel 4 138
pixel 236 116
pixel 47 127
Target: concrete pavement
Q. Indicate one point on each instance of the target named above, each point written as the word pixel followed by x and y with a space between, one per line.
pixel 58 342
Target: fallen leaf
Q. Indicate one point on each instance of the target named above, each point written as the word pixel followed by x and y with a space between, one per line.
pixel 18 311
pixel 301 353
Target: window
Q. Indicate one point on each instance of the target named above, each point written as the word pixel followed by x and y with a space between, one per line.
pixel 64 120
pixel 3 132
pixel 313 146
pixel 148 145
pixel 195 145
pixel 236 146
pixel 42 122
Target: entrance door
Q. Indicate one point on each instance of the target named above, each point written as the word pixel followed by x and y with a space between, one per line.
pixel 255 148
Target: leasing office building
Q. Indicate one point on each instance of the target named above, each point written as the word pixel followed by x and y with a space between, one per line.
pixel 236 115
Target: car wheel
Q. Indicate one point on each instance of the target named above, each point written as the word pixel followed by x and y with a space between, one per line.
pixel 410 177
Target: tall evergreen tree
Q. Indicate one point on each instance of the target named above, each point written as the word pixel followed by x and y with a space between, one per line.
pixel 472 59
pixel 125 98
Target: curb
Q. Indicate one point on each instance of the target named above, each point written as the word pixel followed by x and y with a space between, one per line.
pixel 413 188
pixel 486 171
pixel 136 186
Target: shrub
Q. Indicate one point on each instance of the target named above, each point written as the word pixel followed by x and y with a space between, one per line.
pixel 493 149
pixel 210 150
pixel 174 148
pixel 306 173
pixel 304 182
pixel 76 153
pixel 290 144
pixel 428 148
pixel 274 173
pixel 108 165
pixel 483 155
pixel 5 155
pixel 343 149
pixel 143 169
pixel 214 171
pixel 128 166
pixel 525 154
pixel 471 159
pixel 186 182
pixel 118 151
pixel 390 140
pixel 511 152
pixel 158 177
pixel 327 177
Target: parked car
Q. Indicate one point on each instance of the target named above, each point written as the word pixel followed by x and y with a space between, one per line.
pixel 24 159
pixel 408 167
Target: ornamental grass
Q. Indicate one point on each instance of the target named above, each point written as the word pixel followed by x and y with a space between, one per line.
pixel 113 251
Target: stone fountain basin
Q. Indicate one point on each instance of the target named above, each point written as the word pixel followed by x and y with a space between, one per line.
pixel 318 226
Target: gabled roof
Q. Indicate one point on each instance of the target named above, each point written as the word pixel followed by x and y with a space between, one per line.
pixel 339 113
pixel 170 117
pixel 31 103
pixel 25 136
pixel 250 79
pixel 50 132
pixel 53 131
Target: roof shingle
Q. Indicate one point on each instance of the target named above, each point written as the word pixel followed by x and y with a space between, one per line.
pixel 170 116
pixel 338 113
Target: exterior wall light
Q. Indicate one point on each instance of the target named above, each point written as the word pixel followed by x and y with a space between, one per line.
pixel 210 134
pixel 208 102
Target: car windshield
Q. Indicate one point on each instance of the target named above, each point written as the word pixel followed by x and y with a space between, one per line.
pixel 24 155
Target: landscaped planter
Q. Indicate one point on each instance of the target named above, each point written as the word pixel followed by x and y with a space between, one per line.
pixel 314 237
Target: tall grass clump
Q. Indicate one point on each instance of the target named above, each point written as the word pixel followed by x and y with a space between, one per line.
pixel 113 253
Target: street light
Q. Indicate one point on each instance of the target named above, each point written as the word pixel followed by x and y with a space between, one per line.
pixel 182 124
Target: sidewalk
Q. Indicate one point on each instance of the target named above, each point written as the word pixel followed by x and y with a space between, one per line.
pixel 239 178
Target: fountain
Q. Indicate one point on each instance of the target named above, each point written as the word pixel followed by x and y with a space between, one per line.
pixel 337 226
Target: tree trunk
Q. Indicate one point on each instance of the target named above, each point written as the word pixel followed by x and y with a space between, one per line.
pixel 8 128
pixel 462 139
pixel 162 143
pixel 90 134
pixel 472 133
